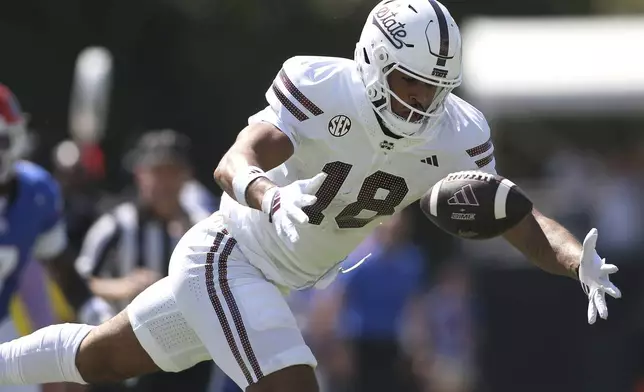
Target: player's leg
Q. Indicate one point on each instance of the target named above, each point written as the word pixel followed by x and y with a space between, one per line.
pixel 290 379
pixel 242 319
pixel 75 353
pixel 111 352
pixel 9 331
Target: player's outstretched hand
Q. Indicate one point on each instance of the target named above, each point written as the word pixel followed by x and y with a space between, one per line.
pixel 284 206
pixel 595 280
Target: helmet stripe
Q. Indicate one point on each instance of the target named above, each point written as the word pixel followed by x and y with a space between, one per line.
pixel 444 33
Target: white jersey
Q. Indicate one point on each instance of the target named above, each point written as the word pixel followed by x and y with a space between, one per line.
pixel 320 103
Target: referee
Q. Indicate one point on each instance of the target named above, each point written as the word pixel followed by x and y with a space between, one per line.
pixel 128 248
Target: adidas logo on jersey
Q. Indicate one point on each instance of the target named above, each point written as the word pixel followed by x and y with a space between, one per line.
pixel 464 197
pixel 432 161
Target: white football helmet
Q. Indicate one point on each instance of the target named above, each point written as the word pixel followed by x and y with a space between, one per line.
pixel 418 38
pixel 13 133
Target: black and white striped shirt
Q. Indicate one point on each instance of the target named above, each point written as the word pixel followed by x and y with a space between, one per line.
pixel 130 237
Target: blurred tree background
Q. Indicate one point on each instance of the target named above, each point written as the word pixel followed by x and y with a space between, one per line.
pixel 198 66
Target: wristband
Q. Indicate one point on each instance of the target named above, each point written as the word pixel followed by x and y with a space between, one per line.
pixel 242 180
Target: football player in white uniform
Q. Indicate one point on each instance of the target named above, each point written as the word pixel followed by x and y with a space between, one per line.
pixel 342 145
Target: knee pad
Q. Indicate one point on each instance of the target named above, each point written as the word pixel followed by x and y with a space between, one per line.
pixel 162 330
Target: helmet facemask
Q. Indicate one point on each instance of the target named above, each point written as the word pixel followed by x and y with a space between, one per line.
pixel 417 116
pixel 383 96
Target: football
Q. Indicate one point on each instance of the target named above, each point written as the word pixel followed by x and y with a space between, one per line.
pixel 475 205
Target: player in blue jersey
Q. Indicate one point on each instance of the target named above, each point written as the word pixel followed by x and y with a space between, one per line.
pixel 31 224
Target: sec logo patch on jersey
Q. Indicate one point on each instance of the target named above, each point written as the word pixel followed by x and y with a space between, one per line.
pixel 339 125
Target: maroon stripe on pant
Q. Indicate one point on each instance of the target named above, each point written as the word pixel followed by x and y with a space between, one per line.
pixel 216 304
pixel 234 310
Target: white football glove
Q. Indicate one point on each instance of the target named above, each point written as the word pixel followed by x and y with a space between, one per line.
pixel 594 277
pixel 284 206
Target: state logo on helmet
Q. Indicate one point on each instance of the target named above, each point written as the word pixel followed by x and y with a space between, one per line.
pixel 418 38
